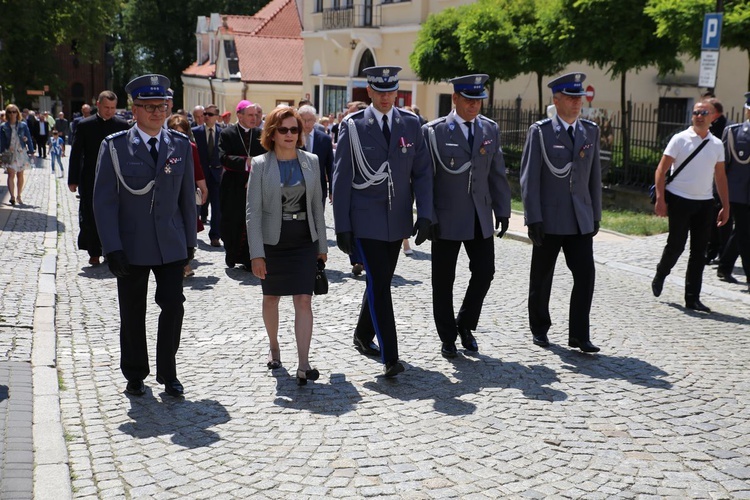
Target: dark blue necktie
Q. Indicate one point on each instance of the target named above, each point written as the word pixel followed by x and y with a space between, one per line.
pixel 152 149
pixel 386 129
pixel 570 133
pixel 471 134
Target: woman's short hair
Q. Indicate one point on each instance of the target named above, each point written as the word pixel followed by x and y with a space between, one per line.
pixel 273 121
pixel 179 123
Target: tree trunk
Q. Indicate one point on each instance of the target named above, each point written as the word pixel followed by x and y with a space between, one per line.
pixel 624 125
pixel 542 113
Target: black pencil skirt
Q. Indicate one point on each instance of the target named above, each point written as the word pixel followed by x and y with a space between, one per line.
pixel 291 264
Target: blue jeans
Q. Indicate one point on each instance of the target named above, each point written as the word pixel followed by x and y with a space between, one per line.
pixel 53 158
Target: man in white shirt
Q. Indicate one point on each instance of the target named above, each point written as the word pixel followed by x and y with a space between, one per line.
pixel 687 200
pixel 318 143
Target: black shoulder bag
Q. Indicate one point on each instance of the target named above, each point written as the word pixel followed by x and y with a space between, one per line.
pixel 670 178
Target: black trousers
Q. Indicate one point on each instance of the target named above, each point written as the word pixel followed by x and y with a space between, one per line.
pixel 376 315
pixel 88 238
pixel 739 242
pixel 579 257
pixel 481 253
pixel 692 217
pixel 132 291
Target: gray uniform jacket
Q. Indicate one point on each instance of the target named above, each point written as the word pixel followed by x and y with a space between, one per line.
pixel 370 212
pixel 157 227
pixel 738 173
pixel 482 189
pixel 565 204
pixel 263 207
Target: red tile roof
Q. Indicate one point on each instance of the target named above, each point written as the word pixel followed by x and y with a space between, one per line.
pixel 270 59
pixel 273 34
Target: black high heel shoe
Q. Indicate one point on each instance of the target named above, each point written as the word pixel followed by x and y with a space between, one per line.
pixel 304 375
pixel 274 359
pixel 12 201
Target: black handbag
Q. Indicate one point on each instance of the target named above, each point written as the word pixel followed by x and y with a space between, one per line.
pixel 321 280
pixel 670 178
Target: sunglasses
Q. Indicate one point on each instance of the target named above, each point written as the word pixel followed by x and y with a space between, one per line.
pixel 13 112
pixel 286 130
pixel 210 114
pixel 700 113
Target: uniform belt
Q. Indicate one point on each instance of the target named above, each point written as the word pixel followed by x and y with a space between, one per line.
pixel 294 216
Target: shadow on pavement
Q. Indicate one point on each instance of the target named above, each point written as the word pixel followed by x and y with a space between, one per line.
pixel 474 374
pixel 186 421
pixel 713 316
pixel 337 397
pixel 602 366
pixel 4 394
pixel 401 281
pixel 96 272
pixel 33 222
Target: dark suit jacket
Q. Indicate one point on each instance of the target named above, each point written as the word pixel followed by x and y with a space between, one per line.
pixel 201 140
pixel 33 124
pixel 90 133
pixel 323 149
pixel 232 152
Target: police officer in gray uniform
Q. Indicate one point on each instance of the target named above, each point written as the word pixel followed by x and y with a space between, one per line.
pixel 144 204
pixel 381 165
pixel 736 139
pixel 469 185
pixel 561 191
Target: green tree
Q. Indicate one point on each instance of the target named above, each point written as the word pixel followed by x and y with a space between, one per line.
pixel 157 36
pixel 682 22
pixel 508 38
pixel 27 49
pixel 437 52
pixel 630 45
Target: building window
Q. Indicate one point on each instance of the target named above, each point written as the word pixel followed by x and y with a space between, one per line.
pixel 334 99
pixel 367 60
pixel 403 98
pixel 318 6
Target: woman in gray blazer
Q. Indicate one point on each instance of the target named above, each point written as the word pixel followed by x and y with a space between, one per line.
pixel 286 231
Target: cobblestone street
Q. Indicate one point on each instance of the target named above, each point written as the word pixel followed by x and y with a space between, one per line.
pixel 662 412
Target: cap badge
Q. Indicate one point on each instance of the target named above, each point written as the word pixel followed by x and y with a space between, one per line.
pixel 154 80
pixel 478 80
pixel 386 72
pixel 578 77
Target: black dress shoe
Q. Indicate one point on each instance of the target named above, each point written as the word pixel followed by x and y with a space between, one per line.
pixel 357 269
pixel 468 340
pixel 585 346
pixel 727 277
pixel 540 340
pixel 229 262
pixel 366 348
pixel 392 368
pixel 697 305
pixel 658 284
pixel 135 388
pixel 172 387
pixel 448 350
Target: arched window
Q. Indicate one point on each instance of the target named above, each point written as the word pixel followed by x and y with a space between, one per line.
pixel 366 61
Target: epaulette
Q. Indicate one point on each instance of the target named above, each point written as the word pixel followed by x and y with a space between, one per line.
pixel 352 115
pixel 733 125
pixel 543 121
pixel 402 110
pixel 116 134
pixel 486 119
pixel 180 134
pixel 584 120
pixel 436 121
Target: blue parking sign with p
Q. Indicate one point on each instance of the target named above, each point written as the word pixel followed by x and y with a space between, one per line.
pixel 712 31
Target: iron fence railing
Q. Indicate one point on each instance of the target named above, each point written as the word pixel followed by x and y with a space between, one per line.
pixel 650 131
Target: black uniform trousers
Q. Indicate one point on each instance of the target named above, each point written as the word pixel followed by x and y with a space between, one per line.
pixel 579 257
pixel 376 315
pixel 88 237
pixel 481 253
pixel 693 217
pixel 739 242
pixel 132 291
